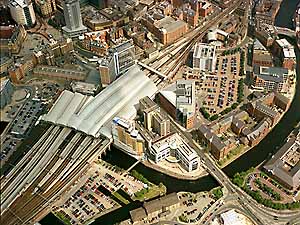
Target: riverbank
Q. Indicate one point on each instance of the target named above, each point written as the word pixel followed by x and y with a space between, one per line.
pixel 174 174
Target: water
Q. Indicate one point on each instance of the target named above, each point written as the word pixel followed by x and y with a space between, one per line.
pixel 274 140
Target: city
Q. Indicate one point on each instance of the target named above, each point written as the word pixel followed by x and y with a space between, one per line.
pixel 150 112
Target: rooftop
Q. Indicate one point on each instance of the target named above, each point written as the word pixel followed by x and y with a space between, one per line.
pixel 157 204
pixel 93 115
pixel 285 164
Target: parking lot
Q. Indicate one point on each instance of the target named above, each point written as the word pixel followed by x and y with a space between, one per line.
pixel 194 205
pixel 286 195
pixel 24 117
pixel 84 200
pixel 219 90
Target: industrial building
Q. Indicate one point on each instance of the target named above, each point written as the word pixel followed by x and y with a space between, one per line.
pixel 54 72
pixel 85 88
pixel 93 115
pixel 159 207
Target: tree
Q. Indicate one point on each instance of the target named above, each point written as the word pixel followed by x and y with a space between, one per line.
pixel 214 117
pixel 204 113
pixel 217 193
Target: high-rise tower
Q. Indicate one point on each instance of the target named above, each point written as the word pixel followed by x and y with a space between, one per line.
pixel 22 12
pixel 74 26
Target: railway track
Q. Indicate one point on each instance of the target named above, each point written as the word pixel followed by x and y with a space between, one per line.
pixel 171 66
pixel 37 195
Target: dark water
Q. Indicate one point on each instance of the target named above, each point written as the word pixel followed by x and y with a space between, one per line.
pixel 3 125
pixel 257 155
pixel 276 138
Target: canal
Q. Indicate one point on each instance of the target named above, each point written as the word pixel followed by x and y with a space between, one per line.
pixel 269 145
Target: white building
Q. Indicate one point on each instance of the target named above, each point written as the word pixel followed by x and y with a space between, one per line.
pixel 22 12
pixel 231 217
pixel 204 57
pixel 72 14
pixel 287 49
pixel 93 115
pixel 175 146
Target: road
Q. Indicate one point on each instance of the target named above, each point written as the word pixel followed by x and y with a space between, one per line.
pixel 171 59
pixel 257 212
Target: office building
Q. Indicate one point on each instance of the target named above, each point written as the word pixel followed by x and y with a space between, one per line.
pixel 18 71
pixel 204 57
pixel 125 132
pixel 166 29
pixel 118 61
pixel 161 124
pixel 46 7
pixel 286 52
pixel 154 120
pixel 269 78
pixel 6 91
pixel 48 54
pixel 22 12
pixel 285 164
pixel 174 145
pixel 72 14
pixel 12 38
pixel 107 70
pixel 218 148
pixel 205 8
pixel 261 56
pixel 185 102
pixel 178 99
pixel 124 57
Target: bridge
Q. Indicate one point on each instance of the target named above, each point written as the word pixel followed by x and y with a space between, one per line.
pixel 152 70
pixel 286 31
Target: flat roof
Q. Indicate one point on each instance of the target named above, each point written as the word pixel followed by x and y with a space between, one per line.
pixel 280 166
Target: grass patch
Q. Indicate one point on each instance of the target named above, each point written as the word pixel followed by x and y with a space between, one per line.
pixel 217 193
pixel 234 152
pixel 63 218
pixel 121 198
pixel 140 177
pixel 151 192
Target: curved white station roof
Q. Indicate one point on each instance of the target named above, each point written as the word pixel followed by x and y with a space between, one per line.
pixel 90 114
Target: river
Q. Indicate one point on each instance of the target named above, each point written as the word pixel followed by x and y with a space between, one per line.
pixel 269 145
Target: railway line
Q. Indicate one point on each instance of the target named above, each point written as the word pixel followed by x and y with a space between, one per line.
pixel 56 160
pixel 175 55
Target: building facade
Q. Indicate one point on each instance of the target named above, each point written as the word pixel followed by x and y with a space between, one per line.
pixel 204 57
pixel 6 91
pixel 72 14
pixel 22 12
pixel 46 7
